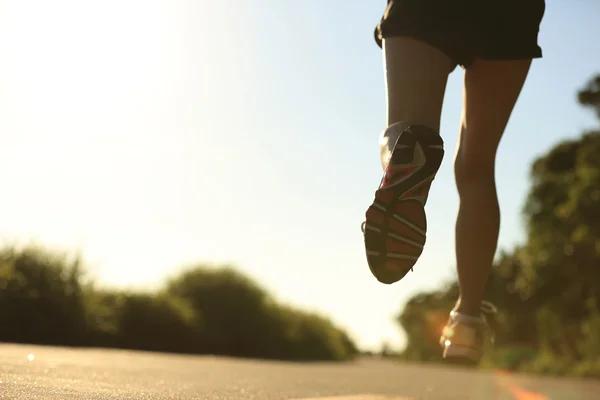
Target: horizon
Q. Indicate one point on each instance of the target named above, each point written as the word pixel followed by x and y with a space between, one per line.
pixel 127 124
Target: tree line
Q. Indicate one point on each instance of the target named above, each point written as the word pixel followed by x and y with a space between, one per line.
pixel 46 299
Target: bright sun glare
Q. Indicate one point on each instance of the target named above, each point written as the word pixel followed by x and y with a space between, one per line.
pixel 93 142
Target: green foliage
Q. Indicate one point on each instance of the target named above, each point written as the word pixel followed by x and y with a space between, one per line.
pixel 241 319
pixel 43 299
pixel 423 319
pixel 310 336
pixel 509 357
pixel 235 309
pixel 548 363
pixel 564 224
pixel 589 345
pixel 547 288
pixel 590 95
pixel 586 369
pixel 142 321
pixel 157 322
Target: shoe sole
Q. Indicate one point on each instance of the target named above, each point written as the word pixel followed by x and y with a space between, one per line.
pixel 396 224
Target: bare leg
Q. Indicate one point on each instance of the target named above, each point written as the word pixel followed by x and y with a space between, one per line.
pixel 395 226
pixel 416 75
pixel 491 91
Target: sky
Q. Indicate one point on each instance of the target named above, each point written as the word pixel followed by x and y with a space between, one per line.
pixel 155 134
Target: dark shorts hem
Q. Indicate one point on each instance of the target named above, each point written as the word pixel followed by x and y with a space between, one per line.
pixel 465 30
pixel 430 40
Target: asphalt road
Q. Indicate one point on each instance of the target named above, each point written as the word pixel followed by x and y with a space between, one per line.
pixel 51 373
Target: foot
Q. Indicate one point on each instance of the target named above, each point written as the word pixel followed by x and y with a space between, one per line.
pixel 395 227
pixel 463 337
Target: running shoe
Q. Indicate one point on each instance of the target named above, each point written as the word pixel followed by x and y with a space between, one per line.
pixel 463 337
pixel 396 226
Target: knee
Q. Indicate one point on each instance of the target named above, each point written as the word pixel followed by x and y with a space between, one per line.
pixel 473 167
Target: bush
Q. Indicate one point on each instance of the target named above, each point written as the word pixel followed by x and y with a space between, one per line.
pixel 589 344
pixel 44 300
pixel 241 319
pixel 41 297
pixel 158 322
pixel 547 363
pixel 101 316
pixel 309 336
pixel 234 308
pixel 509 357
pixel 587 369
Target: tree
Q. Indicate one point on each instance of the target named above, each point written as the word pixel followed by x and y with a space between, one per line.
pixel 41 297
pixel 590 95
pixel 239 318
pixel 560 262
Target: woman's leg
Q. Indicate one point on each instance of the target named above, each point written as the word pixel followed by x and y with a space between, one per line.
pixel 490 92
pixel 415 81
pixel 411 152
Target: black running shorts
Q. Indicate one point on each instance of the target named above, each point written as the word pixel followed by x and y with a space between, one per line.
pixel 468 29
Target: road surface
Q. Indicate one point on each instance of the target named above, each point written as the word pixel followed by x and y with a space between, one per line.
pixel 52 373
